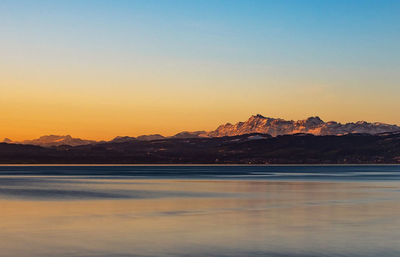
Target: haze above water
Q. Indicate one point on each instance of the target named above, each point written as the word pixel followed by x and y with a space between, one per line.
pixel 277 211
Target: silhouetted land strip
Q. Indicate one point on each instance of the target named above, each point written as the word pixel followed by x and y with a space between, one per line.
pixel 244 149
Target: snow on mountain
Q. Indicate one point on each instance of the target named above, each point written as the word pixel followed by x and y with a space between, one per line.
pixel 313 125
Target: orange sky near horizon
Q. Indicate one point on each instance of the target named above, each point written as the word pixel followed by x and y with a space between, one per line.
pixel 106 113
pixel 102 105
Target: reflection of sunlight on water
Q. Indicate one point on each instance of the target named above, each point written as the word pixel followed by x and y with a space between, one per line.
pixel 198 218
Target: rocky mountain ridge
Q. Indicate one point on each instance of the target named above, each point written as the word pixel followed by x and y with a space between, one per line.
pixel 312 125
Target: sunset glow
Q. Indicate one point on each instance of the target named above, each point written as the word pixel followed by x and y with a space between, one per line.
pixel 99 69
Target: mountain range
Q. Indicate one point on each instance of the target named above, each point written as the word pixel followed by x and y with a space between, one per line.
pixel 255 124
pixel 312 125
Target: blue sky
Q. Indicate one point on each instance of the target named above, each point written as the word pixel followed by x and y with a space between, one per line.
pixel 203 61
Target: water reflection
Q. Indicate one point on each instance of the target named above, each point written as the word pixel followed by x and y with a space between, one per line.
pixel 62 216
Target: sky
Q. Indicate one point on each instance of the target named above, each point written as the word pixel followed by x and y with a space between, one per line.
pixel 100 69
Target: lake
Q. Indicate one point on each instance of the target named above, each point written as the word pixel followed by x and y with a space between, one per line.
pixel 277 211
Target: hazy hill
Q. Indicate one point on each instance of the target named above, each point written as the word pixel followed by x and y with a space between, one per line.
pixel 53 140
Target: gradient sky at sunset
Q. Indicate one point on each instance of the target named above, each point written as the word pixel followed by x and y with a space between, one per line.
pixel 98 69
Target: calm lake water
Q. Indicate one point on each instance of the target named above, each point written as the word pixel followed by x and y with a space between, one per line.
pixel 276 211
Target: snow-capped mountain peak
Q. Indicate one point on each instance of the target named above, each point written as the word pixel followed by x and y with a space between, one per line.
pixel 312 125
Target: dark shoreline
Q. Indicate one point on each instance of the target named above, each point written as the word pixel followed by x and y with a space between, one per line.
pixel 299 149
pixel 196 164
